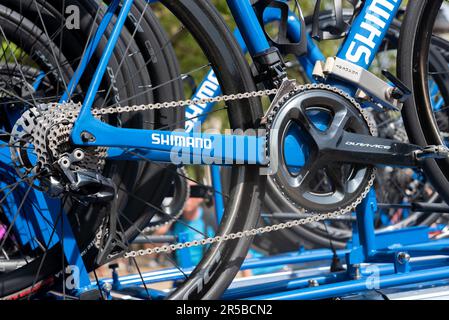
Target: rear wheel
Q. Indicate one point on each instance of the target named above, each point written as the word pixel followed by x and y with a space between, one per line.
pixel 222 260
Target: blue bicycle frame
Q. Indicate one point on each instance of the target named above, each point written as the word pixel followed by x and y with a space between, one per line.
pixel 360 47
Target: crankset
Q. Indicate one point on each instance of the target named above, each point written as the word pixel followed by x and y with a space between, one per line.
pixel 305 128
pixel 323 148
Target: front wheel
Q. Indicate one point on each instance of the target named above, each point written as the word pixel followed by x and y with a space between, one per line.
pixel 421 68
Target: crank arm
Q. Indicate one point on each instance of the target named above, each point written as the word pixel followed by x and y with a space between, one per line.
pixel 356 148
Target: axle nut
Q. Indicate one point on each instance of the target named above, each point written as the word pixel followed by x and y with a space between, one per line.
pixel 403 257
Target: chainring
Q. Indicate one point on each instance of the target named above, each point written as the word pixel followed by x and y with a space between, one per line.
pixel 315 184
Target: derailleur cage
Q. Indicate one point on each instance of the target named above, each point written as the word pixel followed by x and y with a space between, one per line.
pixel 110 242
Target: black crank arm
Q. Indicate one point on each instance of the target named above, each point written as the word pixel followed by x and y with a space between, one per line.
pixel 430 208
pixel 364 149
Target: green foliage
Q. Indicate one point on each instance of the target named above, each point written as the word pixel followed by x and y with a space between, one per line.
pixel 10 53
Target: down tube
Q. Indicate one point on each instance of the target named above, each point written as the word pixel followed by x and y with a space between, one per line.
pixel 368 30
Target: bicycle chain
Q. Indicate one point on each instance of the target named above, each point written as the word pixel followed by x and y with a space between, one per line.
pixel 184 103
pixel 313 218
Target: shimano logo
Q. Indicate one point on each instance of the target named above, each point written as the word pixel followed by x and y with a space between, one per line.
pixel 181 141
pixel 208 89
pixel 373 25
pixel 367 145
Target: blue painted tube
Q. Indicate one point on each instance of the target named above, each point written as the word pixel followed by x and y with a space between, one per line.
pixel 104 61
pixel 304 257
pixel 249 26
pixel 130 155
pixel 355 286
pixel 90 51
pixel 71 249
pixel 196 148
pixel 280 286
pixel 151 277
pixel 38 80
pixel 365 221
pixel 289 258
pixel 218 192
pixel 272 287
pixel 368 30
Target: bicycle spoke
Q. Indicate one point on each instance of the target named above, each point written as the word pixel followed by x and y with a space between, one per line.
pixel 3 132
pixel 17 97
pixel 100 290
pixel 151 88
pixel 12 185
pixel 45 254
pixel 35 41
pixel 135 262
pixel 25 82
pixel 206 114
pixel 62 27
pixel 174 171
pixel 51 47
pixel 86 46
pixel 159 210
pixel 151 59
pixel 136 29
pixel 16 215
pixel 176 265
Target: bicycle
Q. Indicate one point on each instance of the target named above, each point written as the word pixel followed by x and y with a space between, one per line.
pixel 76 166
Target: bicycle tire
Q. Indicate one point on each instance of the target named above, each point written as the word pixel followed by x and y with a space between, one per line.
pixel 413 57
pixel 222 261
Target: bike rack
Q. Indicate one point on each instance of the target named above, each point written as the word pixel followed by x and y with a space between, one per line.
pixel 373 261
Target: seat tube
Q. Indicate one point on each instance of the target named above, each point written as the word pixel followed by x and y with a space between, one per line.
pixel 249 26
pixel 104 61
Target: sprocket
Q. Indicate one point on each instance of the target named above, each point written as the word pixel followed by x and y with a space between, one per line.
pixel 40 146
pixel 304 175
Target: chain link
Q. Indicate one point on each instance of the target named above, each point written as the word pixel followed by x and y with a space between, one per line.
pixel 184 103
pixel 255 231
